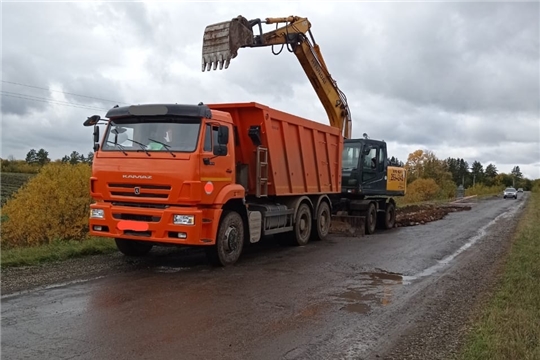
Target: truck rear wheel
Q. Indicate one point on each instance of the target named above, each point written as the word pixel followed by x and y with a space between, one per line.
pixel 321 223
pixel 133 247
pixel 371 219
pixel 302 225
pixel 229 240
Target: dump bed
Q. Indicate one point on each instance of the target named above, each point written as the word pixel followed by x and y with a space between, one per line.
pixel 304 157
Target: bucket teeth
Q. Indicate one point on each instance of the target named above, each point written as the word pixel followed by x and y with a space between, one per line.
pixel 221 42
pixel 213 61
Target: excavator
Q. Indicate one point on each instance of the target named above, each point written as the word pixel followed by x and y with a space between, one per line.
pixel 369 181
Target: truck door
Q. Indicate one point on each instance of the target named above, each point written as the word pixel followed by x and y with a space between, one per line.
pixel 374 168
pixel 217 171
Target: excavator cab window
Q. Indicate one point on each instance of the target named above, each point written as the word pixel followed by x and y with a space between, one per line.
pixel 370 162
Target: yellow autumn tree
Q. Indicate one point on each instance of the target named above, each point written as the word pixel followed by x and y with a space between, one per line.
pixel 53 205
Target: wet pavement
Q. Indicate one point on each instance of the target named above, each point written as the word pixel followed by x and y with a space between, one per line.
pixel 332 299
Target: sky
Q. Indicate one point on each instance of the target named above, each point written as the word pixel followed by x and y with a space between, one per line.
pixel 460 79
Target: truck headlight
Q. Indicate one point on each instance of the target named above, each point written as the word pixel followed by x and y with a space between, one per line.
pixel 97 213
pixel 184 219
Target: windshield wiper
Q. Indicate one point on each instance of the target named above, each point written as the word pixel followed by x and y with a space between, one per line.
pixel 166 146
pixel 120 146
pixel 141 145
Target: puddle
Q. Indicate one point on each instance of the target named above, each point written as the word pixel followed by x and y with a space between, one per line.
pixel 369 289
pixel 447 260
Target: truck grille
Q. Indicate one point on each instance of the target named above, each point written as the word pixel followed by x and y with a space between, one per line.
pixel 139 190
pixel 136 217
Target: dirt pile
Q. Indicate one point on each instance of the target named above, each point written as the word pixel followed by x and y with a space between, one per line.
pixel 420 214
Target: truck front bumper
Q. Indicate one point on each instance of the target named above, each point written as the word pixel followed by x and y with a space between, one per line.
pixel 156 225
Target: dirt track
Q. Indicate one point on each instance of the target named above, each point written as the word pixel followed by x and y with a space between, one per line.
pixel 403 293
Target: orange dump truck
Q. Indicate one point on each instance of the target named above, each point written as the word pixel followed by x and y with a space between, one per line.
pixel 217 176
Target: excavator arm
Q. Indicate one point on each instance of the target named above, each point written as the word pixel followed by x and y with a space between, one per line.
pixel 222 41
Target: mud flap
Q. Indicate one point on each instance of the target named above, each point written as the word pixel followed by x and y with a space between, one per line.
pixel 348 225
pixel 221 42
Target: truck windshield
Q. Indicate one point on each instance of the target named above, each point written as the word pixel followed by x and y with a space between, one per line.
pixel 350 156
pixel 136 134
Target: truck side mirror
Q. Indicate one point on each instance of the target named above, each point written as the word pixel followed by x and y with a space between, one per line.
pixel 220 150
pixel 223 135
pixel 96 137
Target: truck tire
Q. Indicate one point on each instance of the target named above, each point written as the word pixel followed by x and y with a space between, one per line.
pixel 390 216
pixel 133 247
pixel 302 225
pixel 321 223
pixel 229 240
pixel 371 219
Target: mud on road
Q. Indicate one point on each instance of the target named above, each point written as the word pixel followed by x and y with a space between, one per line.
pixel 406 293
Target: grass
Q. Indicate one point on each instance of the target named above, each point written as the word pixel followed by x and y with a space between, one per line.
pixel 57 251
pixel 10 183
pixel 509 327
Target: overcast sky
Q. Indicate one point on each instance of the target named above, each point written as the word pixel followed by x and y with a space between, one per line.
pixel 459 79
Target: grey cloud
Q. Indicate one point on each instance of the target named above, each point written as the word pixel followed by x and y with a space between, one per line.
pixel 435 75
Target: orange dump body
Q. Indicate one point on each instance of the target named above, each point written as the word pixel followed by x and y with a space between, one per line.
pixel 304 157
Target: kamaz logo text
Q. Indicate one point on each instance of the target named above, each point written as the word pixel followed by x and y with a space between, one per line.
pixel 146 177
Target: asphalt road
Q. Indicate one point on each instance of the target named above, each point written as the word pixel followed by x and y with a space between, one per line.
pixel 342 298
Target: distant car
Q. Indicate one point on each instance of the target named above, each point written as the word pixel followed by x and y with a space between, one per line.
pixel 520 190
pixel 510 192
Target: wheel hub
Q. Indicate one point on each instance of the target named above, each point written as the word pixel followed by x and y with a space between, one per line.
pixel 231 239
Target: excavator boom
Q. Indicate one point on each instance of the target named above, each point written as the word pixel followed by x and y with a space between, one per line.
pixel 222 41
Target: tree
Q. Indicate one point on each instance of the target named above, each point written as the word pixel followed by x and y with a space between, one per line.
pixel 65 159
pixel 42 157
pixel 90 158
pixel 31 157
pixel 490 174
pixel 74 158
pixel 516 172
pixel 463 172
pixel 477 171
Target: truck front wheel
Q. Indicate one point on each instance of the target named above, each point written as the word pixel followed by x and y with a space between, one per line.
pixel 133 247
pixel 229 240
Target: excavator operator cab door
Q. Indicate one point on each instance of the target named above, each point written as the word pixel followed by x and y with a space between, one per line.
pixel 373 164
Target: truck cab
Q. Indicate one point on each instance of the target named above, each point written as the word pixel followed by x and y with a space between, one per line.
pixel 161 173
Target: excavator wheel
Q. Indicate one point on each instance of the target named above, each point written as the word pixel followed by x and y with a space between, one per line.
pixel 371 219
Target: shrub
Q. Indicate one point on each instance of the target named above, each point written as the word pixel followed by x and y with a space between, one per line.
pixel 52 205
pixel 481 189
pixel 422 190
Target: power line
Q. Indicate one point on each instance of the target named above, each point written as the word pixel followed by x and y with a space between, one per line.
pixel 55 102
pixel 63 92
pixel 52 100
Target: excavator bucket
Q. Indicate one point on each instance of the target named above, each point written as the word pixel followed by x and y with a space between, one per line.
pixel 343 224
pixel 221 42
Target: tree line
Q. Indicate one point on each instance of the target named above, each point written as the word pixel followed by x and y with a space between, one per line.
pixel 425 165
pixel 420 164
pixel 35 159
